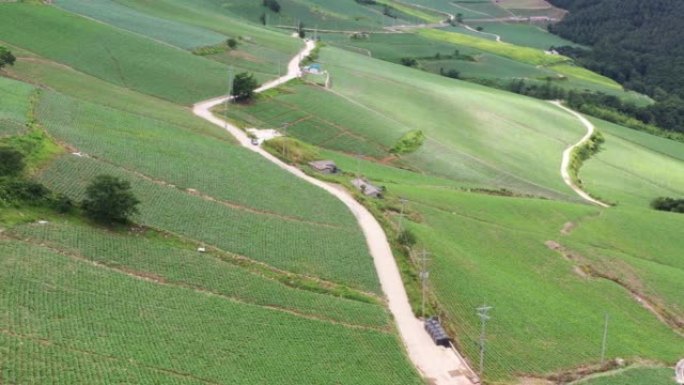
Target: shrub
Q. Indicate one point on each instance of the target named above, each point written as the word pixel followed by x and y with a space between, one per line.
pixel 410 142
pixel 11 162
pixel 406 238
pixel 291 150
pixel 273 5
pixel 409 61
pixel 232 43
pixel 668 204
pixel 109 200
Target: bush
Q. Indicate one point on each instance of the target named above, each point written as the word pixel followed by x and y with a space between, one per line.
pixel 232 43
pixel 11 162
pixel 109 200
pixel 668 204
pixel 410 142
pixel 406 238
pixel 409 61
pixel 291 150
pixel 19 190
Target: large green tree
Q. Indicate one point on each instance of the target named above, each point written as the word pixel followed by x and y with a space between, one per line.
pixel 109 200
pixel 6 57
pixel 244 85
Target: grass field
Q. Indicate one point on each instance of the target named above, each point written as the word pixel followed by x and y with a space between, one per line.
pixel 521 54
pixel 96 324
pixel 525 35
pixel 635 376
pixel 117 56
pixel 624 170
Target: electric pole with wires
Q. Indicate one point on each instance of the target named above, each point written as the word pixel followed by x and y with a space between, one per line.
pixel 424 274
pixel 483 313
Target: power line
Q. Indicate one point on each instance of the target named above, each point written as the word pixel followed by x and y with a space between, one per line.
pixel 483 313
pixel 424 274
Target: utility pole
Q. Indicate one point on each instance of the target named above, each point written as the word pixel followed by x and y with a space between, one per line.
pixel 483 313
pixel 401 214
pixel 424 274
pixel 230 95
pixel 283 138
pixel 358 166
pixel 605 340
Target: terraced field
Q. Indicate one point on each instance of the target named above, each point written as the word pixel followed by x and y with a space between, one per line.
pixel 116 56
pixel 286 276
pixel 121 328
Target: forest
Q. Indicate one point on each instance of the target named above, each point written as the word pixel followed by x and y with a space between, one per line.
pixel 635 42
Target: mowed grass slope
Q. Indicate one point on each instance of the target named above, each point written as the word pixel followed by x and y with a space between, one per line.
pixel 547 315
pixel 79 323
pixel 634 168
pixel 474 134
pixel 119 57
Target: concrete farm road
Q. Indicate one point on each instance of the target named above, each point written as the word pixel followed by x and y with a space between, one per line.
pixel 439 365
pixel 567 156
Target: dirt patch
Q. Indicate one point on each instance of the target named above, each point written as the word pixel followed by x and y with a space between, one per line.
pixel 568 227
pixel 244 56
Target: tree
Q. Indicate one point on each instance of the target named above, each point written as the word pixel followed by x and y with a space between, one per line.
pixel 273 5
pixel 11 162
pixel 109 200
pixel 244 85
pixel 300 30
pixel 459 18
pixel 232 43
pixel 6 57
pixel 263 19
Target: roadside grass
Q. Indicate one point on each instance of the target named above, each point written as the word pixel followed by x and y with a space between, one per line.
pixel 635 376
pixel 161 257
pixel 584 74
pixel 116 56
pixel 129 330
pixel 511 51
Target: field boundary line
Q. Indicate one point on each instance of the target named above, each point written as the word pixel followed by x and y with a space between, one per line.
pixel 164 281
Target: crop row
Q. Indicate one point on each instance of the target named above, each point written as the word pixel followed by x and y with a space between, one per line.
pixel 333 253
pixel 167 152
pixel 92 313
pixel 145 256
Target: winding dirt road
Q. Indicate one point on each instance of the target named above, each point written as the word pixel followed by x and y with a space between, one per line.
pixel 567 156
pixel 440 365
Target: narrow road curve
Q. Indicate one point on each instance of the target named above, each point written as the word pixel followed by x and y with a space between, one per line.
pixel 442 366
pixel 567 156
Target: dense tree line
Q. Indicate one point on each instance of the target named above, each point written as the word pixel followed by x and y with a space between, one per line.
pixel 635 42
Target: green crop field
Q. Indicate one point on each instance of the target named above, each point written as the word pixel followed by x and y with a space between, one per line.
pixel 117 56
pixel 525 35
pixel 149 256
pixel 80 323
pixel 522 54
pixel 171 32
pixel 15 106
pixel 333 252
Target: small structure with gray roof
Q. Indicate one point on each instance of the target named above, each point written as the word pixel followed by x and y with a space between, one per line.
pixel 324 166
pixel 367 188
